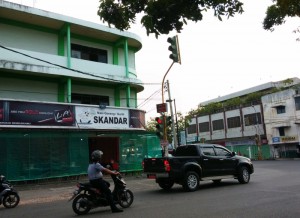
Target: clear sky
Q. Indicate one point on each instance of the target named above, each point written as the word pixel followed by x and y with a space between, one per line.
pixel 218 58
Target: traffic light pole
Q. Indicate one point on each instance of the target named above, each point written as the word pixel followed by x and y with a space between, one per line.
pixel 172 116
pixel 166 151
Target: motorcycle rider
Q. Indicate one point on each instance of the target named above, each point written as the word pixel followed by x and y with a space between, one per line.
pixel 95 176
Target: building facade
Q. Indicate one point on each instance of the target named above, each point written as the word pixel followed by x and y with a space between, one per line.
pixel 242 128
pixel 67 87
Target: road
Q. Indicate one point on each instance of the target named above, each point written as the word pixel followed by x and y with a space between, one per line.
pixel 273 191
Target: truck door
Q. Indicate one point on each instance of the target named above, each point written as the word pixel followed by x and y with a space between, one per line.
pixel 210 162
pixel 227 162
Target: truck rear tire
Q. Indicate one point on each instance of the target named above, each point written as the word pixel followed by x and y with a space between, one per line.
pixel 166 184
pixel 191 181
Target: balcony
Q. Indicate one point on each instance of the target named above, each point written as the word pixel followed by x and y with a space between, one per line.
pixel 46 64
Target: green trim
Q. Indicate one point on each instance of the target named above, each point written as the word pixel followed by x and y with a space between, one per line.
pixel 69 88
pixel 68 45
pixel 61 40
pixel 135 100
pixel 126 57
pixel 28 26
pixel 128 96
pixel 115 55
pixel 117 97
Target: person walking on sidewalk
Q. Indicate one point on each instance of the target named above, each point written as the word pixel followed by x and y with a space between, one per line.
pixel 95 176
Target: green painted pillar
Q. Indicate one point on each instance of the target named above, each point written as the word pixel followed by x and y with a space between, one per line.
pixel 69 81
pixel 117 97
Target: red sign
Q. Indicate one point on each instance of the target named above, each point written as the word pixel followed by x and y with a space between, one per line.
pixel 161 108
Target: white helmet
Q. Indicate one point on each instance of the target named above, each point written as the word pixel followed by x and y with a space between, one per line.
pixel 96 155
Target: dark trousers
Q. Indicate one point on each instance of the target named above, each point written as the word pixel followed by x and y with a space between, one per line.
pixel 104 187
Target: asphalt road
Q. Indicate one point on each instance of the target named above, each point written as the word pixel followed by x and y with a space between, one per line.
pixel 273 191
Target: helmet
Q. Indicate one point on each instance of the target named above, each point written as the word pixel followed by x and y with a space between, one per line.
pixel 2 178
pixel 96 155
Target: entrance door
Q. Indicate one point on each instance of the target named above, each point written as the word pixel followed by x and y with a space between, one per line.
pixel 108 145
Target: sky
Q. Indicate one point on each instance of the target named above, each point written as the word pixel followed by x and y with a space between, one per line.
pixel 218 57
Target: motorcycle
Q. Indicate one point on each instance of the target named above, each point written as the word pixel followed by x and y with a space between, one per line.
pixel 9 197
pixel 86 197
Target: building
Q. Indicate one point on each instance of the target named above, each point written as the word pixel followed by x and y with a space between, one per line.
pixel 241 125
pixel 67 87
pixel 282 119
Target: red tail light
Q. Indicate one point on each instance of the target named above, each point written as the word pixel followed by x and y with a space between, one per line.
pixel 167 165
pixel 143 164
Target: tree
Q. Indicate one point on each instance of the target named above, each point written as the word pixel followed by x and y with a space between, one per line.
pixel 163 16
pixel 277 12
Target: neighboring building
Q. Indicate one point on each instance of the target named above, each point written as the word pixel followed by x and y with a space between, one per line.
pixel 282 120
pixel 241 128
pixel 67 87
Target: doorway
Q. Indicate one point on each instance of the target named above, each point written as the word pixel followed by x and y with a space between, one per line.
pixel 108 145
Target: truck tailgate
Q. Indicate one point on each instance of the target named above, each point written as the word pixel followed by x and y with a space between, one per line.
pixel 154 165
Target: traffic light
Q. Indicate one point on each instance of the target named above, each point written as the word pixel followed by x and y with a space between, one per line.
pixel 174 48
pixel 159 127
pixel 169 121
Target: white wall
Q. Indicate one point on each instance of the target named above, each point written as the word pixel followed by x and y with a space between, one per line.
pixel 28 90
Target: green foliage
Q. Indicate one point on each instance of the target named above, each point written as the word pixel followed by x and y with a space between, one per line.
pixel 233 102
pixel 277 13
pixel 163 16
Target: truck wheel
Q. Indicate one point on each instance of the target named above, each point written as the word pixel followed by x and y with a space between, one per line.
pixel 243 175
pixel 191 181
pixel 166 185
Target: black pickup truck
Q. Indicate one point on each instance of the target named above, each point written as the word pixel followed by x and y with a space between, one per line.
pixel 193 163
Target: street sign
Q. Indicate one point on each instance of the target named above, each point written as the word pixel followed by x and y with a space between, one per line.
pixel 161 108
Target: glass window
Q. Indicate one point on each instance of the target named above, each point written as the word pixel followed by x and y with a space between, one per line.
pixel 208 151
pixel 281 131
pixel 90 99
pixel 218 124
pixel 192 129
pixel 280 109
pixel 252 119
pixel 88 53
pixel 204 127
pixel 297 103
pixel 222 152
pixel 234 122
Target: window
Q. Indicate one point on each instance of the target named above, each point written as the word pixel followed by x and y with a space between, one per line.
pixel 297 103
pixel 186 151
pixel 252 119
pixel 218 124
pixel 222 152
pixel 88 53
pixel 280 109
pixel 208 151
pixel 192 129
pixel 281 131
pixel 90 99
pixel 204 127
pixel 234 122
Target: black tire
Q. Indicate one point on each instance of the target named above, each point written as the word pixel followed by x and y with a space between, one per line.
pixel 81 204
pixel 166 185
pixel 191 181
pixel 11 200
pixel 125 198
pixel 243 175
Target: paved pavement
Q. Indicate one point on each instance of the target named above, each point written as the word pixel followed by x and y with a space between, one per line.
pixel 55 190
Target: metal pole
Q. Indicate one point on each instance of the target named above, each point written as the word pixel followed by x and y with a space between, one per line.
pixel 172 116
pixel 178 141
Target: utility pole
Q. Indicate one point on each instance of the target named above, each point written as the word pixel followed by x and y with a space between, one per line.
pixel 172 116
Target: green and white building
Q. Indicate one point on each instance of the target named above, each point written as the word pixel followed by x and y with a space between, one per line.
pixel 67 87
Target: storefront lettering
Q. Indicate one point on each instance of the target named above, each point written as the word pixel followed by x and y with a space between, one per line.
pixel 110 120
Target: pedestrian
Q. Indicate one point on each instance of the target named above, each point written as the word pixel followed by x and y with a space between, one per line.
pixel 95 176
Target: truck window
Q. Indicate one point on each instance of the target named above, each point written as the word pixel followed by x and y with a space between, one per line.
pixel 222 152
pixel 208 151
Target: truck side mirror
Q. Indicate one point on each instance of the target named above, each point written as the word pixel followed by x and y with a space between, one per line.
pixel 233 153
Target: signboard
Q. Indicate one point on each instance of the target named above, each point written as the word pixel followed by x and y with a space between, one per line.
pixel 161 108
pixel 37 114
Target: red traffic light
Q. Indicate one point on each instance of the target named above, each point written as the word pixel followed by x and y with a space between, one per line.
pixel 158 120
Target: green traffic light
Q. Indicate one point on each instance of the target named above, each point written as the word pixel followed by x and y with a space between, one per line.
pixel 174 48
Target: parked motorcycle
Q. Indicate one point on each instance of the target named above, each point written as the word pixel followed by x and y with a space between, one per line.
pixel 8 195
pixel 86 197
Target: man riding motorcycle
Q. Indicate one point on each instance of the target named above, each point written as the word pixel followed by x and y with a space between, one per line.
pixel 96 178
